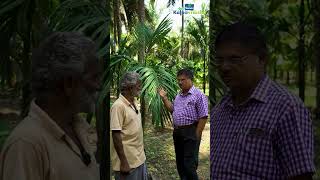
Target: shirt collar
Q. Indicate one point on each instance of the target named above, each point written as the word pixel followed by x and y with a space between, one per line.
pixel 260 92
pixel 49 124
pixel 124 100
pixel 191 91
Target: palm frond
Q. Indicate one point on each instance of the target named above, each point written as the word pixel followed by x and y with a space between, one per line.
pixel 144 34
pixel 152 78
pixel 108 74
pixel 7 6
pixel 83 16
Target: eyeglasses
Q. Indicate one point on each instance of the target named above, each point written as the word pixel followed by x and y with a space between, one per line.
pixel 233 60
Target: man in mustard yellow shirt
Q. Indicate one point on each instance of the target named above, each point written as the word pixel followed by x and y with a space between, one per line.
pixel 52 142
pixel 127 150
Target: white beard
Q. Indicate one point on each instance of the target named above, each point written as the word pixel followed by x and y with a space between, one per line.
pixel 87 101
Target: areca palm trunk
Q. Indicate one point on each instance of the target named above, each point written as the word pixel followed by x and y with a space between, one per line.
pixel 203 52
pixel 5 65
pixel 141 16
pixel 26 67
pixel 212 21
pixel 301 52
pixel 103 117
pixel 288 77
pixel 182 29
pixel 141 54
pixel 117 22
pixel 275 72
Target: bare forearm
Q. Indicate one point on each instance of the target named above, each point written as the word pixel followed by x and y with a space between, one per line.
pixel 167 104
pixel 201 124
pixel 117 140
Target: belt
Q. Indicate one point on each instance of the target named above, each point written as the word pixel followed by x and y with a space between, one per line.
pixel 186 126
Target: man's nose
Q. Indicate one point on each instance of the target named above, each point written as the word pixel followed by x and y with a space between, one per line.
pixel 224 66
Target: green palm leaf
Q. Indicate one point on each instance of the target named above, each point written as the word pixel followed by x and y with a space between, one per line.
pixel 84 16
pixel 144 34
pixel 152 78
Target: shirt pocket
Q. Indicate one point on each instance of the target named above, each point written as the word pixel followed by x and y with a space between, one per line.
pixel 253 138
pixel 254 146
pixel 190 107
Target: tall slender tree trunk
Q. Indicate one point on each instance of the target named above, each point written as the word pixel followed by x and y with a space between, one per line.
pixel 26 66
pixel 141 11
pixel 301 52
pixel 117 21
pixel 115 39
pixel 212 25
pixel 141 16
pixel 5 65
pixel 316 25
pixel 281 75
pixel 204 70
pixel 311 74
pixel 103 117
pixel 182 29
pixel 275 73
pixel 117 32
pixel 288 77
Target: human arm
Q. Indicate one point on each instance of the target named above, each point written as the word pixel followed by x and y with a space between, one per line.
pixel 165 100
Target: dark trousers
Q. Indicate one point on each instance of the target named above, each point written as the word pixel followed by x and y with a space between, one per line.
pixel 186 145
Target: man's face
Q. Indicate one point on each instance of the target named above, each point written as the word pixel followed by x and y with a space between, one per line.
pixel 184 82
pixel 89 88
pixel 136 90
pixel 237 65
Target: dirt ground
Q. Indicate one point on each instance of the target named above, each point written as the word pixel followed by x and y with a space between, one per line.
pixel 161 157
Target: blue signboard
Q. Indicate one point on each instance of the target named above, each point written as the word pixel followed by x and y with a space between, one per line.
pixel 189 7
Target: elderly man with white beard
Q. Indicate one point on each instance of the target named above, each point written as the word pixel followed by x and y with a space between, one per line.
pixel 52 142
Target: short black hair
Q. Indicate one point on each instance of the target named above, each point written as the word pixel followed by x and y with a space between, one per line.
pixel 187 72
pixel 246 34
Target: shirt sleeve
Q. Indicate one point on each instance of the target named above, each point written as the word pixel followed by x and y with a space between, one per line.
pixel 173 102
pixel 21 160
pixel 294 141
pixel 202 106
pixel 117 117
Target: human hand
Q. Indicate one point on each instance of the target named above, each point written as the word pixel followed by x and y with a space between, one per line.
pixel 198 134
pixel 124 170
pixel 162 92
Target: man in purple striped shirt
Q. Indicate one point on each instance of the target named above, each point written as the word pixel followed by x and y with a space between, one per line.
pixel 190 112
pixel 258 130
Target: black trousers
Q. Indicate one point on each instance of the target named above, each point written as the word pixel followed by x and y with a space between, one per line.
pixel 186 145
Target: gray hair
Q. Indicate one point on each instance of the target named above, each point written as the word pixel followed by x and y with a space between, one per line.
pixel 129 79
pixel 62 54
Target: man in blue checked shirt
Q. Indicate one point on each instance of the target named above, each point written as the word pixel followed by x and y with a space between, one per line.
pixel 259 130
